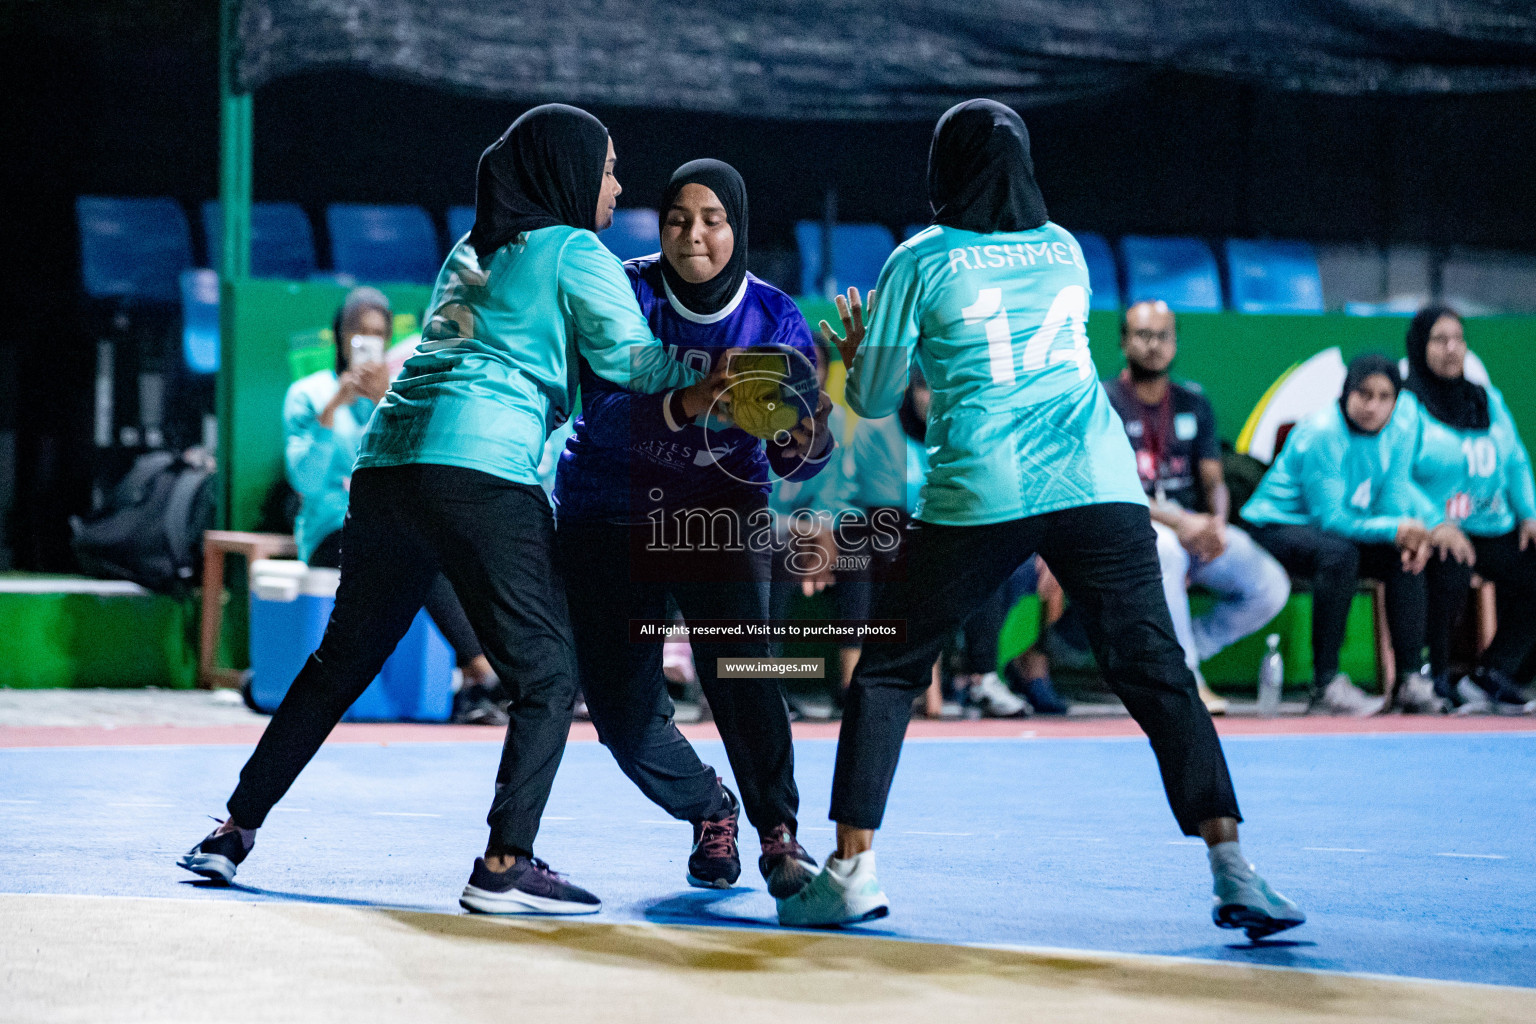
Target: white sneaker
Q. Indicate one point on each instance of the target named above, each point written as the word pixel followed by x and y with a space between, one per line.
pixel 1474 699
pixel 1241 899
pixel 1416 695
pixel 994 698
pixel 842 892
pixel 1342 697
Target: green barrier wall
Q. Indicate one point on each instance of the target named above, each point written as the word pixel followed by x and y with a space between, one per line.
pixel 1235 357
pixel 63 640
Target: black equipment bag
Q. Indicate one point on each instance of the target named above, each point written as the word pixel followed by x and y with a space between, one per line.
pixel 150 530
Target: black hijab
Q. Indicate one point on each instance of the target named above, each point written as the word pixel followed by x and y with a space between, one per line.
pixel 1454 401
pixel 546 169
pixel 980 175
pixel 720 178
pixel 1360 368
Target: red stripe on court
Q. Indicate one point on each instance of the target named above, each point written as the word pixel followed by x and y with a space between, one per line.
pixel 582 732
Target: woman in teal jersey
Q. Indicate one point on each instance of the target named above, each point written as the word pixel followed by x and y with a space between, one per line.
pixel 1338 504
pixel 447 481
pixel 1027 456
pixel 1469 460
pixel 324 415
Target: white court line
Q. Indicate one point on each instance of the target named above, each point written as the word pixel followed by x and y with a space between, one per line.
pixel 551 817
pixel 916 833
pixel 1475 856
pixel 1335 849
pixel 1076 839
pixel 816 828
pixel 18 801
pixel 659 821
pixel 404 814
pixel 140 805
pixel 1186 842
pixel 292 810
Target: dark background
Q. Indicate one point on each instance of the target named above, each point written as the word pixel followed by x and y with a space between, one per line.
pixel 121 98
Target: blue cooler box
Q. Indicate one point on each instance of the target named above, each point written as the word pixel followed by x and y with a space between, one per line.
pixel 290 606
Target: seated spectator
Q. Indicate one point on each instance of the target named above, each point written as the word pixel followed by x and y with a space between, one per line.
pixel 1173 429
pixel 324 416
pixel 1337 505
pixel 1028 675
pixel 1469 460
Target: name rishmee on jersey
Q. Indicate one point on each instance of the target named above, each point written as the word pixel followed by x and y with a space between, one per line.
pixel 999 255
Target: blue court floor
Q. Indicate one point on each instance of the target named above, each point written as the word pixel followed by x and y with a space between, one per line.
pixel 1413 855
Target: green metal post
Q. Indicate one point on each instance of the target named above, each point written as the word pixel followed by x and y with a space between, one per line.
pixel 235 252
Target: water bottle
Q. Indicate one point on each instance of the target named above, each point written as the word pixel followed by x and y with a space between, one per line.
pixel 1271 679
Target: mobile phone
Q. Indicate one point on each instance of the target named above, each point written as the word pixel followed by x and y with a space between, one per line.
pixel 367 348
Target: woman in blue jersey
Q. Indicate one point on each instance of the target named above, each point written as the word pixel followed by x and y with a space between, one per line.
pixel 1338 504
pixel 1469 460
pixel 1026 456
pixel 324 415
pixel 658 501
pixel 446 481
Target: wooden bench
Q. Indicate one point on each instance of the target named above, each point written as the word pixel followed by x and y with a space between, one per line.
pixel 217 545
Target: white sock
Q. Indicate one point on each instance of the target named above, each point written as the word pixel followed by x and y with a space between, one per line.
pixel 1228 859
pixel 844 868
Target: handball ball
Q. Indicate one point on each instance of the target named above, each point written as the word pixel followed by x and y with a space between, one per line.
pixel 773 387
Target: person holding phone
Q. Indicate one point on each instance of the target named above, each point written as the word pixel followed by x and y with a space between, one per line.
pixel 1027 456
pixel 446 481
pixel 324 415
pixel 658 499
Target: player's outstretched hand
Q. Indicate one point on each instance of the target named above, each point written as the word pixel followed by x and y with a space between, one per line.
pixel 851 310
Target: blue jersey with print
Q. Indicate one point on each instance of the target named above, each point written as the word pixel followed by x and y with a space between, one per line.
pixel 628 457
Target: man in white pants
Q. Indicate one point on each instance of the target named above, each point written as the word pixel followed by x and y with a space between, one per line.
pixel 1173 429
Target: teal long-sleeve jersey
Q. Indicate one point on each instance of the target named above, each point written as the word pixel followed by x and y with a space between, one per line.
pixel 1019 425
pixel 1478 479
pixel 319 460
pixel 496 370
pixel 1332 478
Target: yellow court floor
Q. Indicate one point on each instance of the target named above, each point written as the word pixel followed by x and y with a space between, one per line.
pixel 107 959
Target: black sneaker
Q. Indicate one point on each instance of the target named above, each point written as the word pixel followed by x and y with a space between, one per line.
pixel 217 856
pixel 1040 693
pixel 715 862
pixel 784 863
pixel 529 886
pixel 1503 694
pixel 475 704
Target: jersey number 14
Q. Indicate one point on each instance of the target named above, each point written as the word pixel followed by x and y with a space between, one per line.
pixel 1068 310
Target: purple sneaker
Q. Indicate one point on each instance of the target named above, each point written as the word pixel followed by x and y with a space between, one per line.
pixel 784 863
pixel 715 862
pixel 529 886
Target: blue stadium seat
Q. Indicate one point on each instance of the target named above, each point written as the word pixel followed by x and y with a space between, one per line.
pixel 634 232
pixel 460 220
pixel 859 252
pixel 1103 276
pixel 200 320
pixel 383 243
pixel 133 249
pixel 282 242
pixel 1180 271
pixel 1274 277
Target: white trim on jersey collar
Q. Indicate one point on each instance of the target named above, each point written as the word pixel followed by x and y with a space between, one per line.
pixel 705 318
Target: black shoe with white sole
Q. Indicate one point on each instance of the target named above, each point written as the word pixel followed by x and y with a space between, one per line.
pixel 217 856
pixel 785 864
pixel 529 886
